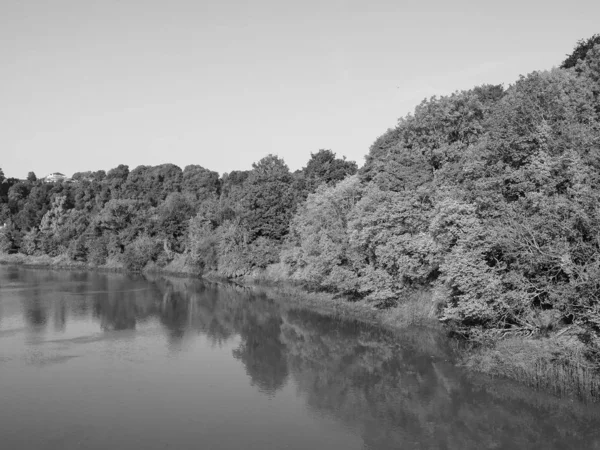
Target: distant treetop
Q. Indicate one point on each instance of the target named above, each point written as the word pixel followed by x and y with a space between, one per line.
pixel 580 51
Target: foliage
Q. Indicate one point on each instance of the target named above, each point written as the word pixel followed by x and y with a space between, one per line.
pixel 30 244
pixel 200 182
pixel 268 200
pixel 9 239
pixel 142 250
pixel 318 244
pixel 203 243
pixel 97 251
pixel 580 51
pixel 324 167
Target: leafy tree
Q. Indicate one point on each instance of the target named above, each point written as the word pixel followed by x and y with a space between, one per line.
pixel 87 195
pixel 78 249
pixel 4 213
pixel 268 200
pixel 115 179
pixel 152 184
pixel 200 182
pixel 142 250
pixel 30 244
pixel 17 195
pixel 590 69
pixel 31 177
pixel 203 243
pixel 388 236
pixel 233 249
pixel 580 51
pixel 10 239
pixel 324 167
pixel 119 215
pixel 173 218
pixel 438 134
pixel 318 243
pixel 82 176
pixel 98 250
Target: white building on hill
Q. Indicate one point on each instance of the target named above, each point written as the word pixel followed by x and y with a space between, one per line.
pixel 55 176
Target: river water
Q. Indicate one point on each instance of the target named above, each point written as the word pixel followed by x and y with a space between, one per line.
pixel 111 361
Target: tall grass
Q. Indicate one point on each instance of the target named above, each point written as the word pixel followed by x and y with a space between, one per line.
pixel 417 308
pixel 550 364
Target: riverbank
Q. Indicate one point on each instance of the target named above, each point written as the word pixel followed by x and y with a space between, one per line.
pixel 416 309
pixel 555 363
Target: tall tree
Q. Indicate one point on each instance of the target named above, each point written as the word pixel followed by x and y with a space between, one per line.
pixel 324 167
pixel 268 199
pixel 200 182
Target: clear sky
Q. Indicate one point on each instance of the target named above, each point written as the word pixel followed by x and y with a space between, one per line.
pixel 90 84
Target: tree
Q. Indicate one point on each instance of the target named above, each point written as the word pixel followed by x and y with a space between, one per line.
pixel 388 236
pixel 200 182
pixel 324 167
pixel 437 135
pixel 580 51
pixel 10 239
pixel 31 177
pixel 142 250
pixel 123 219
pixel 173 219
pixel 317 249
pixel 268 200
pixel 203 243
pixel 115 178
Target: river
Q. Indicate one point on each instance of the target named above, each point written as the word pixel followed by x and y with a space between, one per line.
pixel 111 361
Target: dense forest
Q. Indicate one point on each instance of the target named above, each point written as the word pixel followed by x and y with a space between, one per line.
pixel 489 197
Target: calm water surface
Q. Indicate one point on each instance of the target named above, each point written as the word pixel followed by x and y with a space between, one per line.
pixel 109 361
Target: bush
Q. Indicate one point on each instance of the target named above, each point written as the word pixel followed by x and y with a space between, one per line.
pixel 262 252
pixel 6 241
pixel 78 250
pixel 143 250
pixel 30 244
pixel 98 251
pixel 51 245
pixel 203 244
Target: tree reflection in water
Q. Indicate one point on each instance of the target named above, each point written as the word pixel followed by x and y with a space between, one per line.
pixel 262 353
pixel 399 389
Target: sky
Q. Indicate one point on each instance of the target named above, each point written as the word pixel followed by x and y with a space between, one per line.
pixel 88 84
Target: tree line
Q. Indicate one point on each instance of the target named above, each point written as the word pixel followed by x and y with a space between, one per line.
pixel 489 197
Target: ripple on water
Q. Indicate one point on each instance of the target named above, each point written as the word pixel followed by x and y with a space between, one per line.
pixel 45 360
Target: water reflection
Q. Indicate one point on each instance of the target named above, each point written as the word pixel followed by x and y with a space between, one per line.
pixel 396 390
pixel 262 352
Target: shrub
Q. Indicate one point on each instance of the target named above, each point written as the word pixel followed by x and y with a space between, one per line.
pixel 78 250
pixel 30 245
pixel 143 250
pixel 98 251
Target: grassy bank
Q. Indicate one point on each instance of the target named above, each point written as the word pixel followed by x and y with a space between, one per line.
pixel 556 364
pixel 176 267
pixel 57 262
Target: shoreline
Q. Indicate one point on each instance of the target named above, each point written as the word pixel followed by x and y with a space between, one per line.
pixel 553 364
